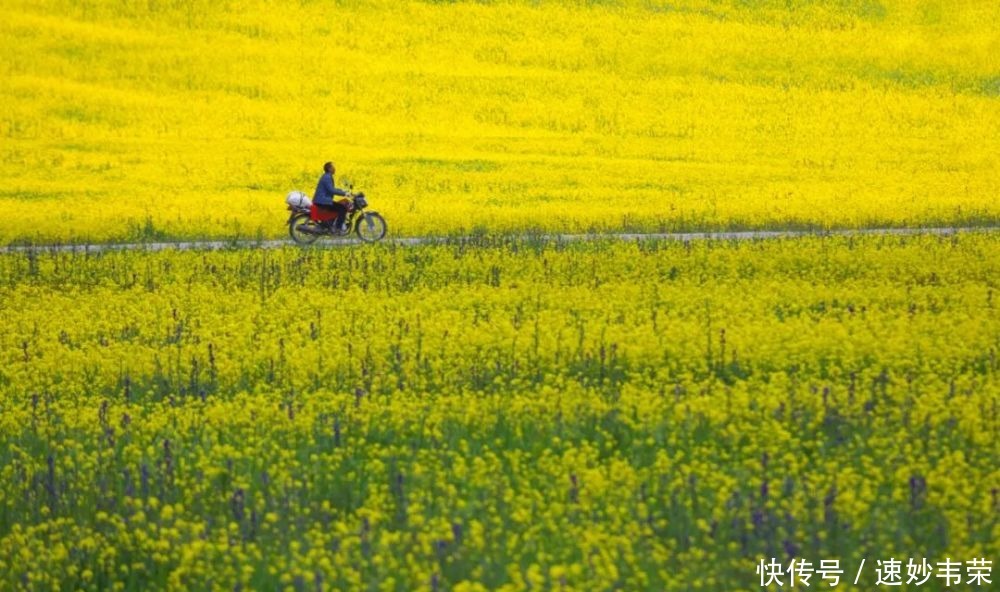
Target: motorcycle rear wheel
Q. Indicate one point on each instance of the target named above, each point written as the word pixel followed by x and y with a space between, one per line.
pixel 370 227
pixel 303 237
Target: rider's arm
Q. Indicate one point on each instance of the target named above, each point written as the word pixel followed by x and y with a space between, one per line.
pixel 327 184
pixel 330 188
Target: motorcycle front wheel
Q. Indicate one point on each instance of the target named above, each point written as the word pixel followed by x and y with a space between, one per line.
pixel 370 227
pixel 303 230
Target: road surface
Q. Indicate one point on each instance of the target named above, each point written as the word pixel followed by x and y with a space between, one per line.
pixel 209 245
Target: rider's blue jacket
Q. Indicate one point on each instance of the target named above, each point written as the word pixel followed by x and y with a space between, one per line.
pixel 325 190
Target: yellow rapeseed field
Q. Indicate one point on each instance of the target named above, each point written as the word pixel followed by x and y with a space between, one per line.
pixel 166 119
pixel 502 409
pixel 497 415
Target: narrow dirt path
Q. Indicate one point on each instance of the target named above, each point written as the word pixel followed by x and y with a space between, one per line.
pixel 210 245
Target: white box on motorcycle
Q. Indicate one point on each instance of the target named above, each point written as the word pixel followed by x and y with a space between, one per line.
pixel 297 199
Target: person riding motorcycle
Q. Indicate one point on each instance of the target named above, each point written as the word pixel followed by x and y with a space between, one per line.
pixel 323 197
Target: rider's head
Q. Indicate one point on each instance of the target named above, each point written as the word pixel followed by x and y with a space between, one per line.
pixel 328 168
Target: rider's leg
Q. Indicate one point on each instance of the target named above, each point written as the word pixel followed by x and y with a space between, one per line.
pixel 341 215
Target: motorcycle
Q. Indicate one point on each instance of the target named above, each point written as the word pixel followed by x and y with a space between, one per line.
pixel 307 222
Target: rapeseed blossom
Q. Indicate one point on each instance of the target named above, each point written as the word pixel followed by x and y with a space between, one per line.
pixel 644 415
pixel 168 120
